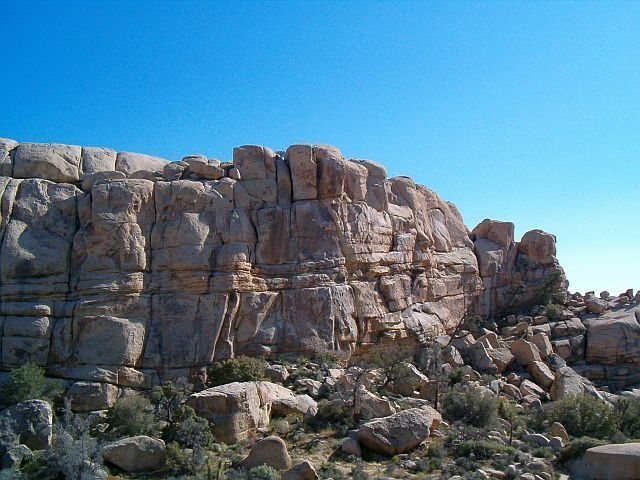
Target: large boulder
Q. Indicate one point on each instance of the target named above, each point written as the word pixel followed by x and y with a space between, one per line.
pixel 238 409
pixel 136 454
pixel 91 396
pixel 614 338
pixel 129 163
pixel 400 432
pixel 612 462
pixel 30 421
pixel 525 352
pixel 271 451
pixel 51 161
pixel 568 382
pixel 302 471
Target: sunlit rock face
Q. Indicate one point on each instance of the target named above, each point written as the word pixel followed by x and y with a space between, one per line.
pixel 128 269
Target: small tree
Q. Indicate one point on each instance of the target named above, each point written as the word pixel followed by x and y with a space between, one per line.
pixel 189 431
pixel 508 411
pixel 168 397
pixel 29 383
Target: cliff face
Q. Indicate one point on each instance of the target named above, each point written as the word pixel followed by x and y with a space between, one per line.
pixel 127 269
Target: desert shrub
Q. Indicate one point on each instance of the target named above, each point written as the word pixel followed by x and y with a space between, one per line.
pixel 627 416
pixel 328 358
pixel 456 376
pixel 469 404
pixel 582 415
pixel 132 415
pixel 577 447
pixel 189 431
pixel 29 383
pixel 74 454
pixel 542 452
pixel 482 449
pixel 553 311
pixel 239 369
pixel 263 472
pixel 168 397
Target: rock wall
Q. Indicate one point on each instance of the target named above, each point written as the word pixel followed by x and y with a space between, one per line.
pixel 128 269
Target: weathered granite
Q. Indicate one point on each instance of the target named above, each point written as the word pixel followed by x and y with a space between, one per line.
pixel 140 279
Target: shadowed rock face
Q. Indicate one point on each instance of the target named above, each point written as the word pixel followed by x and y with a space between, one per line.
pixel 158 268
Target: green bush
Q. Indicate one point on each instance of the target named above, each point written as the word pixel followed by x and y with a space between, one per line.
pixel 456 376
pixel 471 405
pixel 29 383
pixel 239 369
pixel 263 472
pixel 167 398
pixel 627 413
pixel 553 311
pixel 482 449
pixel 582 415
pixel 188 429
pixel 577 447
pixel 130 416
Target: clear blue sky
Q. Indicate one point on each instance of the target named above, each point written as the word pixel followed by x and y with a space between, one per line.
pixel 528 112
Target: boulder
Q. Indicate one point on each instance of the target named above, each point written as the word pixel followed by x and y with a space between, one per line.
pixel 400 432
pixel 538 246
pixel 90 179
pixel 30 421
pixel 409 379
pixel 91 396
pixel 567 382
pixel 525 352
pixel 558 430
pixel 368 405
pixel 596 305
pixel 541 374
pixel 7 146
pixel 238 409
pixel 542 342
pixel 614 338
pixel 501 357
pixel 536 439
pixel 50 161
pixel 128 163
pixel 302 471
pixel 303 171
pixel 351 446
pixel 276 373
pixel 271 451
pixel 135 454
pixel 97 159
pixel 16 456
pixel 612 462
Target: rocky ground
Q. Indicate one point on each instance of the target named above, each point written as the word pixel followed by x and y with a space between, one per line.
pixel 480 403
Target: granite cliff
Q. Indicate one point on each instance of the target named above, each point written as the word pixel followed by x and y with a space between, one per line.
pixel 127 269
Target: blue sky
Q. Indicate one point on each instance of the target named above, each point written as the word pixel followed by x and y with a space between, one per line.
pixel 520 111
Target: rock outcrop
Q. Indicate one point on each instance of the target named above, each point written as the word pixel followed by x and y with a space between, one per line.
pixel 127 269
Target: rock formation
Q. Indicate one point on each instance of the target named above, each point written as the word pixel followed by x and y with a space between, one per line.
pixel 127 269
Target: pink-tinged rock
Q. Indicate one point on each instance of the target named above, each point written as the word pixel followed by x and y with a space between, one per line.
pixel 400 432
pixel 525 352
pixel 303 172
pixel 539 246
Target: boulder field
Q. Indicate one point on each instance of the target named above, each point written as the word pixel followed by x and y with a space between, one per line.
pixel 128 270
